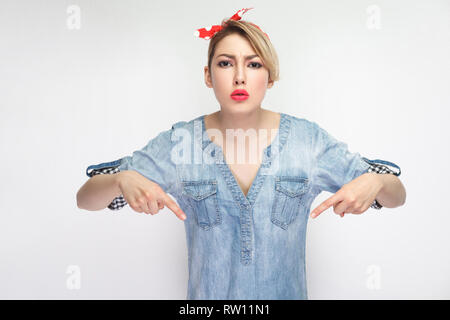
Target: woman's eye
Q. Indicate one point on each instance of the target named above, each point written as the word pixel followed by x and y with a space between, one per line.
pixel 220 63
pixel 259 65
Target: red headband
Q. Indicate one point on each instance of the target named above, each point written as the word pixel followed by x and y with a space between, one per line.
pixel 211 31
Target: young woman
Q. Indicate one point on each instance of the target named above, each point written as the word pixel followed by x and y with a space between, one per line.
pixel 245 206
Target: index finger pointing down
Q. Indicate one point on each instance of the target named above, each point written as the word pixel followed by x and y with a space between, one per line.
pixel 174 207
pixel 324 205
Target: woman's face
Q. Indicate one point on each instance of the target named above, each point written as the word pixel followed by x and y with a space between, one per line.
pixel 228 74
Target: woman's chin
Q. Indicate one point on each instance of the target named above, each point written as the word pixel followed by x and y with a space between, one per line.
pixel 239 108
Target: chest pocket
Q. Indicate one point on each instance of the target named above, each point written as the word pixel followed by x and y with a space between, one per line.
pixel 289 195
pixel 202 197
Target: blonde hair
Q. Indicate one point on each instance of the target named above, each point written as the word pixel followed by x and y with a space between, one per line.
pixel 258 40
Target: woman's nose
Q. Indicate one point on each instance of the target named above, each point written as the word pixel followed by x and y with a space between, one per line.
pixel 239 73
pixel 239 77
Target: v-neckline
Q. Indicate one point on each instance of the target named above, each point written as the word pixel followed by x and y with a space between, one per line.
pixel 269 153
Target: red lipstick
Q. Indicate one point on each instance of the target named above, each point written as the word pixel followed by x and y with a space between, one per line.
pixel 239 94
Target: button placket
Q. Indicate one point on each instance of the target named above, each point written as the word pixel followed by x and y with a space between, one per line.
pixel 245 203
pixel 246 234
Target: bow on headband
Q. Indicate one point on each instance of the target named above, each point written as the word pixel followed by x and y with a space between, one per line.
pixel 211 31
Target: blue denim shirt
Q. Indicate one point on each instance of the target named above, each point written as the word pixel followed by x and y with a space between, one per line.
pixel 247 247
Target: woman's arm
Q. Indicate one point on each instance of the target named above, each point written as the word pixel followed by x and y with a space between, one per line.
pixel 392 193
pixel 98 192
pixel 357 195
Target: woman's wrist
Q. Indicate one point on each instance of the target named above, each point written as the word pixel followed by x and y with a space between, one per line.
pixel 118 181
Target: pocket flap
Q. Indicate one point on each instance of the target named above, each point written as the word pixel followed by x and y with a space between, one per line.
pixel 291 186
pixel 199 190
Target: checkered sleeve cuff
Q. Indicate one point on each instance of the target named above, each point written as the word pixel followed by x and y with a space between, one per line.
pixel 381 169
pixel 118 202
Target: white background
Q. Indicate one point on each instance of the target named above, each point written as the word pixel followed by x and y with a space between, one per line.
pixel 75 97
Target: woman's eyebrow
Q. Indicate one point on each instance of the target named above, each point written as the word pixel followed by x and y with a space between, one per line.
pixel 234 57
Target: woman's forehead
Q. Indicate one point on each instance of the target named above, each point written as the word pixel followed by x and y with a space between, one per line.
pixel 234 53
pixel 234 41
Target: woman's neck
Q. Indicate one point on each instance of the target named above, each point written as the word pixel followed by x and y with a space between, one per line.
pixel 252 120
pixel 261 119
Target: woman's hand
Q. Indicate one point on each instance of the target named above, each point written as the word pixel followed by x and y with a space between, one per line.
pixel 354 197
pixel 144 195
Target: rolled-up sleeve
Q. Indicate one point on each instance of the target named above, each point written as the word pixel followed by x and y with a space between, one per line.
pixel 333 165
pixel 153 161
pixel 111 167
pixel 381 167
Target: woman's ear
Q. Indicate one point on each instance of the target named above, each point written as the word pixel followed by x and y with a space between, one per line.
pixel 208 80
